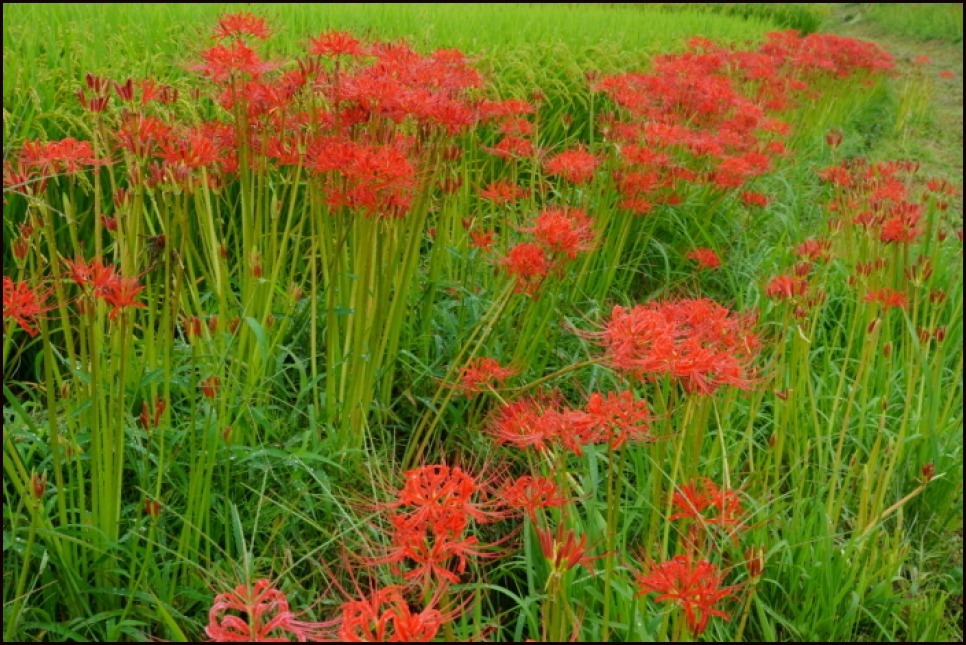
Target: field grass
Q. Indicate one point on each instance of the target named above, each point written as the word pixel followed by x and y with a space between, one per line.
pixel 618 328
pixel 935 21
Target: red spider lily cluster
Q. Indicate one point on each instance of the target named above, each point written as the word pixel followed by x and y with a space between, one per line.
pixel 319 115
pixel 23 303
pixel 429 524
pixel 703 501
pixel 104 282
pixel 503 192
pixel 701 117
pixel 786 287
pixel 886 201
pixel 693 585
pixel 561 233
pixel 544 421
pixel 511 119
pixel 698 343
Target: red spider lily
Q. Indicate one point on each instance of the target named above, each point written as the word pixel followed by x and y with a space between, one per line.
pixel 563 550
pixel 503 109
pixel 386 617
pixel 900 229
pixel 531 422
pixel 121 293
pixel 619 417
pixel 703 501
pixel 517 126
pixel 751 198
pixel 698 342
pixel 482 240
pixel 336 43
pixel 192 149
pixel 888 298
pixel 106 283
pixel 141 134
pixel 512 147
pixel 528 264
pixel 23 304
pixel 440 497
pixel 481 373
pixel 786 287
pixel 565 231
pixel 236 25
pixel 224 63
pixel 576 166
pixel 256 614
pixel 836 175
pixel 62 156
pixel 695 586
pixel 93 274
pixel 431 514
pixel 377 180
pixel 814 250
pixel 503 192
pixel 440 557
pixel 529 493
pixel 706 258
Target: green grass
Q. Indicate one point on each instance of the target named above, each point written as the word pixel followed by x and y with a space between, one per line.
pixel 933 21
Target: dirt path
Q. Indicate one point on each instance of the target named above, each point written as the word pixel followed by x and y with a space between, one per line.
pixel 937 140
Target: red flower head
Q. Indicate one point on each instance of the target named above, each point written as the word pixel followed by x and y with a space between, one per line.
pixel 236 25
pixel 528 422
pixel 480 373
pixel 564 231
pixel 564 550
pixel 888 298
pixel 503 192
pixel 814 250
pixel 705 258
pixel 619 417
pixel 698 342
pixel 784 287
pixel 576 166
pixel 482 240
pixel 695 586
pixel 336 43
pixel 439 498
pixel 256 614
pixel 703 501
pixel 529 493
pixel 386 617
pixel 22 304
pixel 528 263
